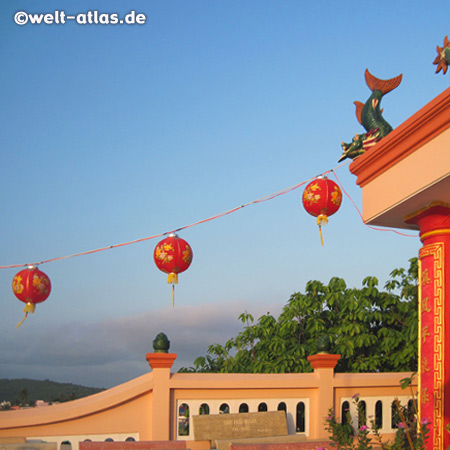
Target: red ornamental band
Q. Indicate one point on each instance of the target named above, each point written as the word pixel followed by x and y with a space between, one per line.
pixel 431 334
pixel 434 326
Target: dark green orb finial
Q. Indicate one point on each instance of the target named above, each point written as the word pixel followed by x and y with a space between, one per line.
pixel 161 343
pixel 323 344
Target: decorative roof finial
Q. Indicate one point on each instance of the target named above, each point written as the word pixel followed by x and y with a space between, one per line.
pixel 161 343
pixel 443 58
pixel 369 115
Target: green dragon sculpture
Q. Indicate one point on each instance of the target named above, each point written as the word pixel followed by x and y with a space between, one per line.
pixel 369 115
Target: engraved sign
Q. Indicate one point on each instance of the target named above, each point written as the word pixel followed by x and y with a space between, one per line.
pixel 224 426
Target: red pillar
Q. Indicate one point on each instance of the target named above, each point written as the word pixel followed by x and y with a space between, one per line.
pixel 434 321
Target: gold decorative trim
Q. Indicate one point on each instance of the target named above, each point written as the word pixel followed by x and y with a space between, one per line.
pixel 434 233
pixel 436 251
pixel 411 216
pixel 419 337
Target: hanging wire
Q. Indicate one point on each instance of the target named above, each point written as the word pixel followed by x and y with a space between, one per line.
pixel 360 215
pixel 260 200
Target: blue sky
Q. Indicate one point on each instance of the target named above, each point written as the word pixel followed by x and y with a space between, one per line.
pixel 115 133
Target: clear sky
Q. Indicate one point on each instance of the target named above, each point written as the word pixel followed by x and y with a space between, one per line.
pixel 111 133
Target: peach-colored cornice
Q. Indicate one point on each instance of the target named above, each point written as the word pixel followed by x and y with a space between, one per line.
pixel 424 125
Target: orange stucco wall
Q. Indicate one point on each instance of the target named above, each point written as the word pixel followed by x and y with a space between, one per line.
pixel 130 417
pixel 125 408
pixel 137 406
pixel 323 389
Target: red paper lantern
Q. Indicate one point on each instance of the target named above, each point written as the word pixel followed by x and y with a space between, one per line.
pixel 173 255
pixel 31 286
pixel 322 198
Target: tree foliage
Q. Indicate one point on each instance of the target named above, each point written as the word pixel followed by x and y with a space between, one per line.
pixel 22 391
pixel 373 330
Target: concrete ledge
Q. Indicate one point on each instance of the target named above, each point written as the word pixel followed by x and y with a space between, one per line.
pixel 199 445
pixel 133 445
pixel 225 444
pixel 285 446
pixel 29 446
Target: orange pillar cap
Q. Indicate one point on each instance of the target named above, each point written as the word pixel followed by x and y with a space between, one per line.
pixel 323 360
pixel 161 360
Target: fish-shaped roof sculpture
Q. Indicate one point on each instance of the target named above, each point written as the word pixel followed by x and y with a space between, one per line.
pixel 369 115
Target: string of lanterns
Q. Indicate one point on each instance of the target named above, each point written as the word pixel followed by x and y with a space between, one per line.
pixel 321 198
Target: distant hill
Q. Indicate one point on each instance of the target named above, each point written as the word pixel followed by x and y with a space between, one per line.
pixel 23 390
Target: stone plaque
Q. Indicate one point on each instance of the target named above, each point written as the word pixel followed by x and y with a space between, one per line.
pixel 243 425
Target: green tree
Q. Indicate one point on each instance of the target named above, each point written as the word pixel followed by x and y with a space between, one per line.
pixel 373 330
pixel 23 395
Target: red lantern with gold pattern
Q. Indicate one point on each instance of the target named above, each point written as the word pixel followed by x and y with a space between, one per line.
pixel 31 286
pixel 322 198
pixel 173 255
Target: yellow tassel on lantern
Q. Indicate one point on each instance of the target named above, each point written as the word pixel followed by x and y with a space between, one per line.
pixel 172 279
pixel 322 219
pixel 29 308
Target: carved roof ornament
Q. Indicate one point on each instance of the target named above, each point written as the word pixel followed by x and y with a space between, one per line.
pixel 161 343
pixel 443 58
pixel 369 115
